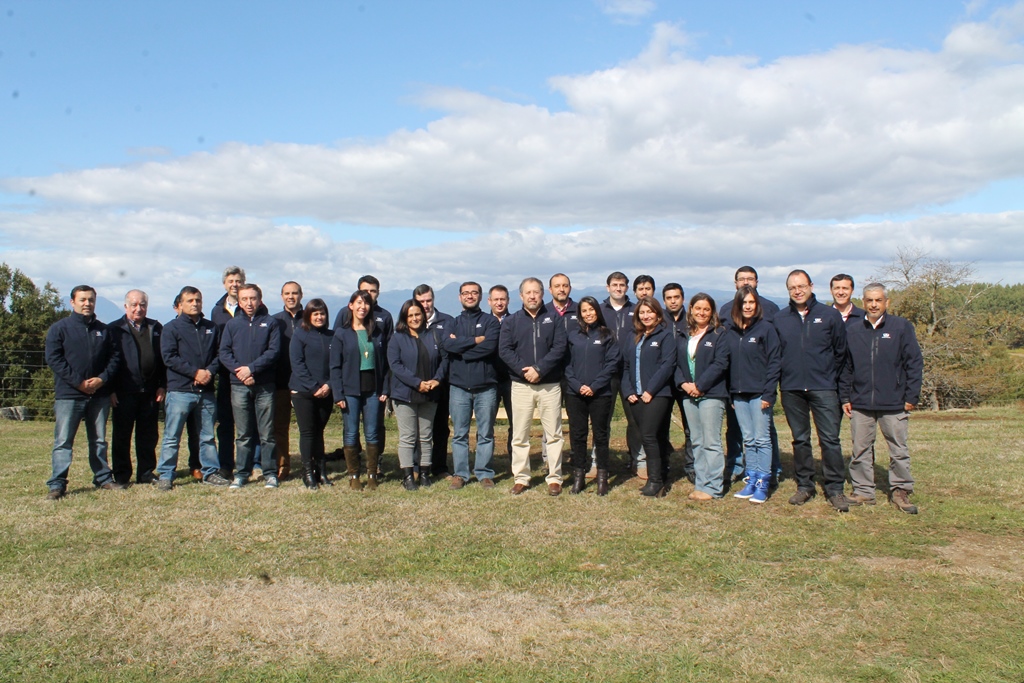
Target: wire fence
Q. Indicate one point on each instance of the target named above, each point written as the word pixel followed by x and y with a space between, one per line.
pixel 26 385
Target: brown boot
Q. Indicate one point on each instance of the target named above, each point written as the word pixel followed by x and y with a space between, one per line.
pixel 284 465
pixel 352 463
pixel 579 481
pixel 602 482
pixel 372 458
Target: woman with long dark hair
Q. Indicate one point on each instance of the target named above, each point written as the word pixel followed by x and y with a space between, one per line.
pixel 648 367
pixel 755 361
pixel 417 370
pixel 359 375
pixel 701 374
pixel 310 355
pixel 594 360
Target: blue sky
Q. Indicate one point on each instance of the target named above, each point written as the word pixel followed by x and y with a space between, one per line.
pixel 149 144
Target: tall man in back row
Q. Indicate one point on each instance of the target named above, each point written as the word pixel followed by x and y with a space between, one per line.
pixel 287 319
pixel 879 390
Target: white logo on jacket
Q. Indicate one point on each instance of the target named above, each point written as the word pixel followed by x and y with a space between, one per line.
pixel 597 342
pixel 545 321
pixel 708 344
pixel 263 324
pixel 817 320
pixel 885 335
pixel 654 344
pixel 752 340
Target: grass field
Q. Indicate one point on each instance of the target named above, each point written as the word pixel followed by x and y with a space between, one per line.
pixel 289 585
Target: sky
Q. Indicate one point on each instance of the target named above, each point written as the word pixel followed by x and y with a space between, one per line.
pixel 150 145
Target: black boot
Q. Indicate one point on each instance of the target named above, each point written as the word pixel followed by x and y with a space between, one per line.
pixel 321 473
pixel 579 480
pixel 653 489
pixel 425 480
pixel 602 482
pixel 309 477
pixel 408 480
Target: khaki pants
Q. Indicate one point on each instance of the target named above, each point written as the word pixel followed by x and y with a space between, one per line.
pixel 547 398
pixel 893 424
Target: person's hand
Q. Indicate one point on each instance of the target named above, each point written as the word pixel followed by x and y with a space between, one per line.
pixel 249 381
pixel 909 407
pixel 765 405
pixel 632 398
pixel 848 409
pixel 161 393
pixel 383 398
pixel 341 404
pixel 586 391
pixel 243 373
pixel 203 376
pixel 646 398
pixel 323 391
pixel 113 400
pixel 531 375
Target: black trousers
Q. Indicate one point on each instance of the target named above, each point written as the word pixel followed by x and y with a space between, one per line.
pixel 442 432
pixel 650 420
pixel 225 423
pixel 136 413
pixel 633 440
pixel 585 412
pixel 312 416
pixel 505 394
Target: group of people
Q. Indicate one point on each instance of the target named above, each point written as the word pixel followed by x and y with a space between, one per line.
pixel 232 381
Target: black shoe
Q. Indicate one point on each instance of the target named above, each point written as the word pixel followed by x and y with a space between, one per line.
pixel 311 482
pixel 653 489
pixel 409 479
pixel 56 494
pixel 579 481
pixel 164 485
pixel 801 496
pixel 145 479
pixel 425 480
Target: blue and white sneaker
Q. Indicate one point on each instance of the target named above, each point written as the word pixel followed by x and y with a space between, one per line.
pixel 748 489
pixel 270 481
pixel 761 483
pixel 238 482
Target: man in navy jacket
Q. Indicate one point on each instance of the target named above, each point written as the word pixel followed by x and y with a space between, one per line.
pixel 139 388
pixel 288 319
pixel 224 310
pixel 532 344
pixel 470 345
pixel 881 386
pixel 189 347
pixel 442 323
pixel 248 350
pixel 81 352
pixel 814 351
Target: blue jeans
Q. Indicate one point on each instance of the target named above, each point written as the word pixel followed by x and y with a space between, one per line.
pixel 705 420
pixel 69 413
pixel 824 405
pixel 462 405
pixel 367 406
pixel 253 410
pixel 734 446
pixel 181 408
pixel 755 426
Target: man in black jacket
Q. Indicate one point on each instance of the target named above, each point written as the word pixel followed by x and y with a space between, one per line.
pixel 814 355
pixel 287 320
pixel 139 389
pixel 880 387
pixel 84 360
pixel 223 311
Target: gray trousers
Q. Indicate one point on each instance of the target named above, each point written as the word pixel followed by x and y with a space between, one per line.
pixel 415 428
pixel 893 424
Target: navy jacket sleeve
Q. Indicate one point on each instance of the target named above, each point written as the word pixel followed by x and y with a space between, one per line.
pixel 666 365
pixel 226 353
pixel 398 368
pixel 507 347
pixel 54 348
pixel 337 385
pixel 491 331
pixel 297 356
pixel 913 365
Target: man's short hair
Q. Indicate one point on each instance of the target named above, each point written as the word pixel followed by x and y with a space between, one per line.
pixel 253 287
pixel 81 288
pixel 876 287
pixel 617 275
pixel 799 271
pixel 232 270
pixel 145 297
pixel 643 279
pixel 187 289
pixel 421 290
pixel 292 282
pixel 552 278
pixel 470 283
pixel 368 280
pixel 744 269
pixel 526 280
pixel 671 286
pixel 839 278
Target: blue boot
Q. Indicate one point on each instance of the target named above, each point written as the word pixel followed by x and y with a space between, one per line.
pixel 748 489
pixel 761 483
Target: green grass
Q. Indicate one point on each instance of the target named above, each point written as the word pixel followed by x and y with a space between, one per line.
pixel 287 585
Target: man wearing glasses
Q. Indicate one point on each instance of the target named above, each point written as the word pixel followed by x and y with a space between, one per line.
pixel 814 354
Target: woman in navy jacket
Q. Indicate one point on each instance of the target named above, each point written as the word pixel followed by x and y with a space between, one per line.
pixel 755 360
pixel 649 357
pixel 310 356
pixel 594 360
pixel 359 374
pixel 417 369
pixel 701 374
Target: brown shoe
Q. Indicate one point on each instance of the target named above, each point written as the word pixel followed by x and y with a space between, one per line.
pixel 898 497
pixel 700 495
pixel 857 499
pixel 456 483
pixel 56 494
pixel 554 489
pixel 519 489
pixel 112 486
pixel 197 475
pixel 487 483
